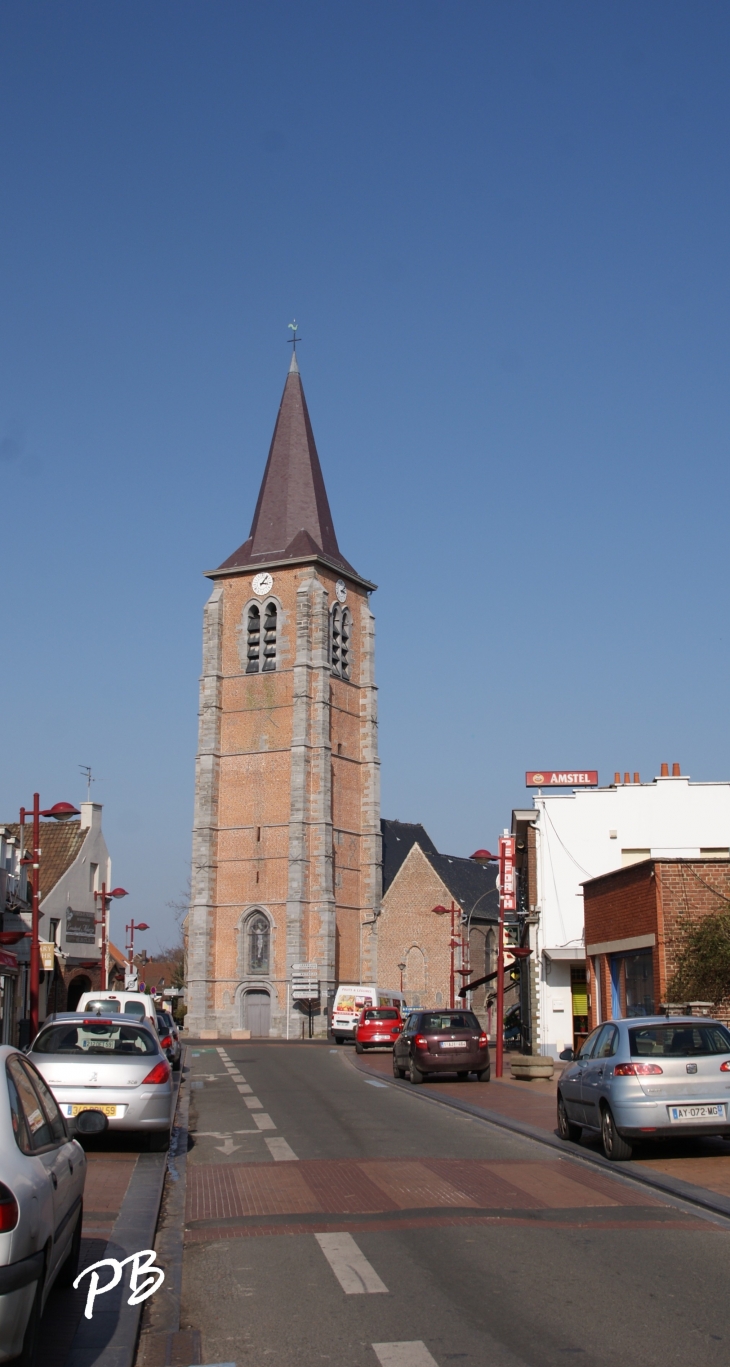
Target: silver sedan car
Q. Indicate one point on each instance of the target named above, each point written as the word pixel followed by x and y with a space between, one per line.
pixel 42 1175
pixel 650 1077
pixel 109 1064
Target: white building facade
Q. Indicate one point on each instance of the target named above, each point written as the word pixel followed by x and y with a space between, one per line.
pixel 588 832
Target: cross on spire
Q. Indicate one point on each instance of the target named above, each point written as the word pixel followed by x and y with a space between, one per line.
pixel 294 339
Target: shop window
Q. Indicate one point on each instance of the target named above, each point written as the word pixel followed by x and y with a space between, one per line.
pixel 632 984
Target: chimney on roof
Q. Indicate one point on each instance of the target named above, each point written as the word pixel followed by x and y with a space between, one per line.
pixel 636 778
pixel 90 816
pixel 675 771
pixel 627 778
pixel 665 771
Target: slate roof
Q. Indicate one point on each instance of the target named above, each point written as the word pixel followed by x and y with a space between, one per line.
pixel 60 843
pixel 469 883
pixel 399 837
pixel 292 520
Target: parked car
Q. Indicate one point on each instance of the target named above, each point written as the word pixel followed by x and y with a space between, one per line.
pixel 441 1042
pixel 112 1003
pixel 647 1077
pixel 377 1026
pixel 169 1038
pixel 111 1064
pixel 42 1175
pixel 350 1000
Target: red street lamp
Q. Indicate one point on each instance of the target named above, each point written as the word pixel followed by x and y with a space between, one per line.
pixel 106 901
pixel 61 811
pixel 130 929
pixel 454 943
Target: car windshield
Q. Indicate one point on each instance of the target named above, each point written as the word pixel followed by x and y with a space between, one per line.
pixel 434 1024
pixel 678 1041
pixel 94 1036
pixel 381 1015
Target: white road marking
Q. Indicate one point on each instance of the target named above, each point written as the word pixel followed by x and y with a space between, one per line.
pixel 280 1151
pixel 371 1083
pixel 227 1147
pixel 253 1103
pixel 350 1266
pixel 243 1087
pixel 413 1354
pixel 263 1121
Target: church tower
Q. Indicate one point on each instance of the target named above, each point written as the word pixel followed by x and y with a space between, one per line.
pixel 286 840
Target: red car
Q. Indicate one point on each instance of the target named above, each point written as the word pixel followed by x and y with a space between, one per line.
pixel 377 1027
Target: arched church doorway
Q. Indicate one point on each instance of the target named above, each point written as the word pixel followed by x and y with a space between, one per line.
pixel 257 1013
pixel 76 988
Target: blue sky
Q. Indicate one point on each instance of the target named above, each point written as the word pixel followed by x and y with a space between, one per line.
pixel 503 228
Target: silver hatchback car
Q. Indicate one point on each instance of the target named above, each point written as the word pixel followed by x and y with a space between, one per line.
pixel 649 1077
pixel 112 1064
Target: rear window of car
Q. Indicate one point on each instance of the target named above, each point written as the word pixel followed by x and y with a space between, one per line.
pixel 110 1038
pixel 381 1015
pixel 678 1041
pixel 434 1024
pixel 103 1006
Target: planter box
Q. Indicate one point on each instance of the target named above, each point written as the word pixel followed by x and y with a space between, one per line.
pixel 531 1067
pixel 240 1034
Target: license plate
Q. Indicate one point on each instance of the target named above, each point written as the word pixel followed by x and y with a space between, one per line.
pixel 453 1044
pixel 110 1111
pixel 687 1114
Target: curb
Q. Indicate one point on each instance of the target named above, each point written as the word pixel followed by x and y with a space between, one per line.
pixel 110 1338
pixel 707 1201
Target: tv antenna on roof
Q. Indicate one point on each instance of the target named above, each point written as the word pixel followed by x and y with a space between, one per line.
pixel 86 771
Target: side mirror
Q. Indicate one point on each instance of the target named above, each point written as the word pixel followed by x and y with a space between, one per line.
pixel 567 1055
pixel 91 1122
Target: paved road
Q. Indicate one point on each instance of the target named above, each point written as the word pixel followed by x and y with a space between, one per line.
pixel 333 1218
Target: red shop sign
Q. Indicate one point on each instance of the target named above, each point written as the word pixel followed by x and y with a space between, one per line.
pixel 561 778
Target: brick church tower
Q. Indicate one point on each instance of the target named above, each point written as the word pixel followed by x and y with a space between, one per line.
pixel 286 839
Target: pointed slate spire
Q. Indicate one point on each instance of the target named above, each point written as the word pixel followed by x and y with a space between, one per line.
pixel 292 520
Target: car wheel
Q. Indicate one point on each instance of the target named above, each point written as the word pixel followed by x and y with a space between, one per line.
pixel 566 1128
pixel 398 1071
pixel 176 1065
pixel 484 1075
pixel 614 1146
pixel 70 1269
pixel 414 1073
pixel 339 1039
pixel 462 1076
pixel 158 1141
pixel 359 1048
pixel 29 1351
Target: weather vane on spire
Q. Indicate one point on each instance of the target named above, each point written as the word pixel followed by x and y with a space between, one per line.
pixel 294 339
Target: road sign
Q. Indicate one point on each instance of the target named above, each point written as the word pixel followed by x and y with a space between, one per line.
pixel 561 778
pixel 304 982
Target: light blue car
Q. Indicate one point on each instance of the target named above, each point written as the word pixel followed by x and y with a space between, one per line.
pixel 649 1077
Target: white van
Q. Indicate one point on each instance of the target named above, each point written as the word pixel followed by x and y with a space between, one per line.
pixel 352 998
pixel 113 1003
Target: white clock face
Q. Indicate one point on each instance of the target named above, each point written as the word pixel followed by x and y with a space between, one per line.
pixel 341 590
pixel 262 584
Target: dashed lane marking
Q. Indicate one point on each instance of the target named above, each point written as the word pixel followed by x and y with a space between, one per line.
pixel 243 1088
pixel 253 1103
pixel 413 1354
pixel 280 1151
pixel 350 1266
pixel 370 1083
pixel 263 1121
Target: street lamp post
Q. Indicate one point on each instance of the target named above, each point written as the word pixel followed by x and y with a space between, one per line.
pixel 61 811
pixel 402 969
pixel 106 899
pixel 130 929
pixel 445 911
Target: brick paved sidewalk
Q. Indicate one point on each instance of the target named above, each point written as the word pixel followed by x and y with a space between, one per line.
pixel 702 1162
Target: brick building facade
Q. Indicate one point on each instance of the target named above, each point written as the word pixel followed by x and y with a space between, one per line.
pixel 635 918
pixel 286 841
pixel 416 879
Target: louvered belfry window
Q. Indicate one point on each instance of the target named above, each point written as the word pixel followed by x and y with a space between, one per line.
pixel 269 651
pixel 340 642
pixel 254 639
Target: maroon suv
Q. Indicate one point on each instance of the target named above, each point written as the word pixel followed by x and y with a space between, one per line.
pixel 441 1042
